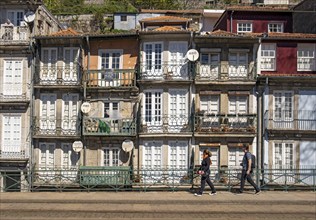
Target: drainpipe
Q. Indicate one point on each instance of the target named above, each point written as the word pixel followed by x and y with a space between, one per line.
pixel 231 21
pixel 84 98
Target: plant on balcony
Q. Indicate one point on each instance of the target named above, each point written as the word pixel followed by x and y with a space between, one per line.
pixel 104 127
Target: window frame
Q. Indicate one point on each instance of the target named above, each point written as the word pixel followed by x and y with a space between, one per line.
pixel 275 25
pixel 241 27
pixel 268 48
pixel 111 156
pixel 312 59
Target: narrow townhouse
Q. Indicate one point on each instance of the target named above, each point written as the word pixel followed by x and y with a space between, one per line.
pixel 165 82
pixel 56 118
pixel 110 120
pixel 19 22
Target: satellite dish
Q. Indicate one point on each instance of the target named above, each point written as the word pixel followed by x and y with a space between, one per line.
pixel 77 146
pixel 127 145
pixel 85 107
pixel 192 55
pixel 29 17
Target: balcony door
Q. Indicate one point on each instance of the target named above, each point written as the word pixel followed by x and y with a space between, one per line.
pixel 48 73
pixel 283 110
pixel 177 67
pixel 12 81
pixel 152 60
pixel 237 108
pixel 71 67
pixel 48 113
pixel 15 17
pixel 178 110
pixel 109 61
pixel 153 110
pixel 11 136
pixel 70 113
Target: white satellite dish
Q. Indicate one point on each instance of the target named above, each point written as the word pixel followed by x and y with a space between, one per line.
pixel 85 107
pixel 77 146
pixel 127 145
pixel 29 17
pixel 192 55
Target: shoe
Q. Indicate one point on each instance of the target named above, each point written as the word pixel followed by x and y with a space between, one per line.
pixel 239 192
pixel 212 193
pixel 197 194
pixel 257 192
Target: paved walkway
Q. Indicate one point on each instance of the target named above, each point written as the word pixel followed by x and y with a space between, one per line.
pixel 157 205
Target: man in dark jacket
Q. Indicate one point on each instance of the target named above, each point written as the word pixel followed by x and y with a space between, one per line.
pixel 246 171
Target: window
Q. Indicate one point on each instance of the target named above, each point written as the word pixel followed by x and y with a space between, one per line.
pixel 235 156
pixel 12 81
pixel 110 60
pixel 71 59
pixel 48 113
pixel 15 16
pixel 178 109
pixel 111 110
pixel 238 64
pixel 11 135
pixel 177 63
pixel 153 106
pixel 153 59
pixel 152 154
pixel 111 156
pixel 70 113
pixel 238 104
pixel 283 109
pixel 123 17
pixel 209 104
pixel 244 27
pixel 48 72
pixel 47 155
pixel 306 59
pixel 275 27
pixel 178 154
pixel 268 57
pixel 209 65
pixel 69 158
pixel 283 155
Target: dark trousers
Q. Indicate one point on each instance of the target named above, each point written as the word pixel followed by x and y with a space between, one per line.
pixel 206 178
pixel 244 176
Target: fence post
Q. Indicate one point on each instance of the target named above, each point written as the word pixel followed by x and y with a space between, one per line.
pixel 314 179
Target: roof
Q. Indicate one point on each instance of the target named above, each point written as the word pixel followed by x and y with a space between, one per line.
pixel 194 11
pixel 165 19
pixel 67 32
pixel 167 28
pixel 225 34
pixel 288 74
pixel 275 35
pixel 258 8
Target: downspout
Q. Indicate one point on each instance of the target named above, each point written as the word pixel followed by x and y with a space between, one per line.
pixel 231 21
pixel 84 98
pixel 262 125
pixel 259 116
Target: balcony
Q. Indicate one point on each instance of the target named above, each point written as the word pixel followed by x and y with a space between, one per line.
pixel 109 127
pixel 165 71
pixel 58 75
pixel 110 78
pixel 10 33
pixel 166 124
pixel 224 72
pixel 303 120
pixel 52 127
pixel 10 150
pixel 221 123
pixel 14 92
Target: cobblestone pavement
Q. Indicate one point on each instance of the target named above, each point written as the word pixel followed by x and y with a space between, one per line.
pixel 157 205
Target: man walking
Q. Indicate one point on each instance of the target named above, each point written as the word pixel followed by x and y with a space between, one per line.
pixel 246 171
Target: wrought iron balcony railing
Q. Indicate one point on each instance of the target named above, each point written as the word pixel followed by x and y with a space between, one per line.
pixel 225 123
pixel 51 74
pixel 304 120
pixel 17 92
pixel 166 71
pixel 110 78
pixel 56 127
pixel 108 127
pixel 9 33
pixel 11 150
pixel 225 71
pixel 166 124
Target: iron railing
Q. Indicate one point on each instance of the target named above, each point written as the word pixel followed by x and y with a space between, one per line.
pixel 9 32
pixel 166 124
pixel 110 78
pixel 53 74
pixel 145 179
pixel 225 123
pixel 43 126
pixel 303 120
pixel 108 126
